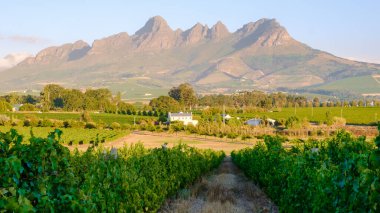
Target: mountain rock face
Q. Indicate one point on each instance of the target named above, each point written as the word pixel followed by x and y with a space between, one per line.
pixel 259 55
pixel 66 52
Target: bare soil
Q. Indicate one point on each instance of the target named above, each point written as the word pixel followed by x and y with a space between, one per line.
pixel 225 190
pixel 153 140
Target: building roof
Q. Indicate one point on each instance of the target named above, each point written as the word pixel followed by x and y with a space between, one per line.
pixel 253 122
pixel 180 114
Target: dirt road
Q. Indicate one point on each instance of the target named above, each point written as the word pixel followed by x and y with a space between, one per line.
pixel 225 190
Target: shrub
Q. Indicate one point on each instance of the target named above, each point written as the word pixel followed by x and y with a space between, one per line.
pixel 45 123
pixel 67 124
pixel 57 123
pixel 338 121
pixel 115 125
pixel 85 117
pixel 126 126
pixel 5 106
pixel 90 125
pixel 329 119
pixel 28 107
pixel 4 120
pixel 33 122
pixel 292 122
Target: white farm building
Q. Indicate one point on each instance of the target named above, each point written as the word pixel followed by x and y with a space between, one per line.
pixel 186 118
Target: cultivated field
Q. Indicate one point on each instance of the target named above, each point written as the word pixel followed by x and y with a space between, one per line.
pixel 353 115
pixel 96 117
pixel 73 135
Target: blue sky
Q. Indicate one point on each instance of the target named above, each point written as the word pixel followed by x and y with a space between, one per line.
pixel 349 28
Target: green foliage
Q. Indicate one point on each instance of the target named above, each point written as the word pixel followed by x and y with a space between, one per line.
pixel 90 125
pixel 85 117
pixel 125 108
pixel 292 122
pixel 164 104
pixel 329 118
pixel 340 174
pixel 115 125
pixel 44 176
pixel 184 94
pixel 5 106
pixel 28 107
pixel 73 135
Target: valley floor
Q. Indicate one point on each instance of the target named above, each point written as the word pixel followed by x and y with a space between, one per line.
pixel 225 190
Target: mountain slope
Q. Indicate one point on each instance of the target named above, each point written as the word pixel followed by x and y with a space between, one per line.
pixel 260 55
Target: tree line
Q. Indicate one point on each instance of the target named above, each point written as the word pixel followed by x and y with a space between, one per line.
pixel 180 98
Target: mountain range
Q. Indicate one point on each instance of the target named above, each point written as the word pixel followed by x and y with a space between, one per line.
pixel 260 55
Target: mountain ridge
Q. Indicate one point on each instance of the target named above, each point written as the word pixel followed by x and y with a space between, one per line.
pixel 259 55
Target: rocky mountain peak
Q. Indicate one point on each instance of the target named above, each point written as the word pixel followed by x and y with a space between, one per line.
pixel 79 44
pixel 218 31
pixel 253 26
pixel 195 34
pixel 153 25
pixel 264 32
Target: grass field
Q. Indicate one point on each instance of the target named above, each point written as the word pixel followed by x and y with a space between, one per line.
pixel 96 117
pixel 360 84
pixel 70 134
pixel 353 115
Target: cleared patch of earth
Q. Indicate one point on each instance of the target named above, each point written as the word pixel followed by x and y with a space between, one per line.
pixel 226 190
pixel 154 140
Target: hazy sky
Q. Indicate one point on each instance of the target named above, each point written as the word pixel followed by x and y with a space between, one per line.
pixel 346 28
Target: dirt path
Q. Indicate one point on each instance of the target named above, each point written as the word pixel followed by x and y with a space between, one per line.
pixel 226 190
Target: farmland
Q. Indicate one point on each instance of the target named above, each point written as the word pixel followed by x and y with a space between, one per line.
pixel 107 118
pixel 340 174
pixel 73 135
pixel 44 175
pixel 353 115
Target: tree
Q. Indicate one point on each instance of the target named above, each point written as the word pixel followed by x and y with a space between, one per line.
pixel 164 104
pixel 13 98
pixel 49 94
pixel 292 122
pixel 316 102
pixel 30 99
pixel 124 108
pixel 97 99
pixel 184 94
pixel 329 118
pixel 73 100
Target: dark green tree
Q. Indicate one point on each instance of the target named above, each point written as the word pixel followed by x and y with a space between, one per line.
pixel 164 104
pixel 184 94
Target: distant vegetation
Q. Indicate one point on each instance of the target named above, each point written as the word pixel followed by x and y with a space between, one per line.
pixel 74 110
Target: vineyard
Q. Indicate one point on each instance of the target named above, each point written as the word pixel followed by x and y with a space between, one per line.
pixel 340 174
pixel 70 136
pixel 44 176
pixel 353 115
pixel 97 117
